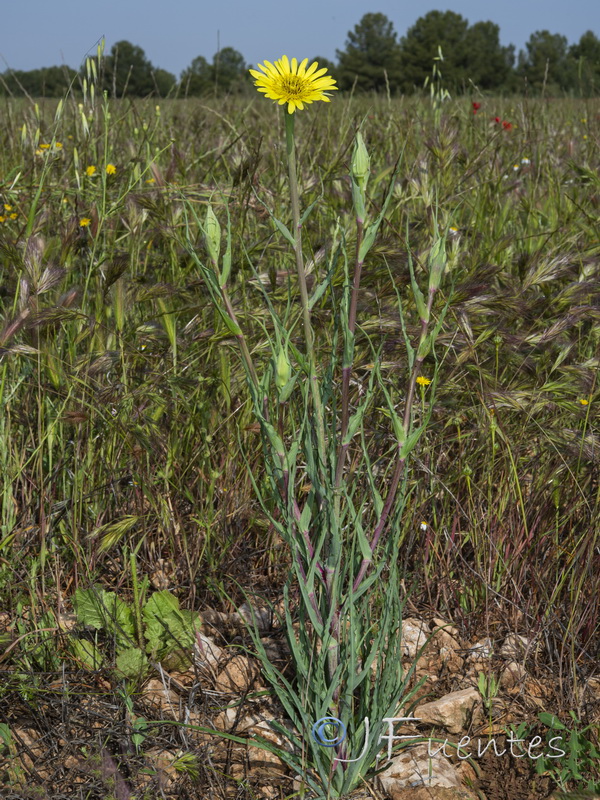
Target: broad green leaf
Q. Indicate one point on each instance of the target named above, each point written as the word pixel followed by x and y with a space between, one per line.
pixel 87 653
pixel 5 734
pixel 100 609
pixel 132 663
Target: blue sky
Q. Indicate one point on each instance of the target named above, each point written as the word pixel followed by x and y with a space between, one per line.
pixel 40 33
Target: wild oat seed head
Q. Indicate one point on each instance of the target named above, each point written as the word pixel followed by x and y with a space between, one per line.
pixel 292 83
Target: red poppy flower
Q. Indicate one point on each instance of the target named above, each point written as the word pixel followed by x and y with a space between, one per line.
pixel 497 119
pixel 506 125
pixel 476 107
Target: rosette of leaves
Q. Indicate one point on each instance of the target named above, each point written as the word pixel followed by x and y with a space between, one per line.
pixel 161 632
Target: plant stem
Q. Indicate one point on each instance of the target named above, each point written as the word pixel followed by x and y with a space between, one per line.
pixel 308 331
pixel 332 567
pixel 407 425
pixel 347 367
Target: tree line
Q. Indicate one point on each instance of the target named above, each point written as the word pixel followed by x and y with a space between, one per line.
pixel 374 59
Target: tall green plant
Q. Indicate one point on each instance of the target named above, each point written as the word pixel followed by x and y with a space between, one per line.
pixel 340 520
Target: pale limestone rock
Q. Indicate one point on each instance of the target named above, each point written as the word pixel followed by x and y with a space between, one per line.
pixel 432 793
pixel 415 633
pixel 453 711
pixel 512 675
pixel 515 646
pixel 448 627
pixel 237 676
pixel 207 654
pixel 416 767
pixel 484 648
pixel 162 698
pixel 263 617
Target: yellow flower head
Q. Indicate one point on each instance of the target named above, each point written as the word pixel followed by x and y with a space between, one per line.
pixel 2 218
pixel 293 83
pixel 583 401
pixel 91 170
pixel 84 222
pixel 44 147
pixel 422 381
pixel 110 169
pixel 7 207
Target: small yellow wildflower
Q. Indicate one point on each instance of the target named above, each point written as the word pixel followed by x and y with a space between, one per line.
pixel 91 170
pixel 44 147
pixel 150 180
pixel 110 169
pixel 292 83
pixel 58 145
pixel 7 207
pixel 39 152
pixel 2 219
pixel 84 222
pixel 424 526
pixel 422 381
pixel 14 215
pixel 583 401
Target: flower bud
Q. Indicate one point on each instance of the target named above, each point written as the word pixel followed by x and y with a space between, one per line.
pixel 361 163
pixel 437 263
pixel 283 370
pixel 212 234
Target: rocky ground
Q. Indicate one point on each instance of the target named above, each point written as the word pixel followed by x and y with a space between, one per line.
pixel 78 740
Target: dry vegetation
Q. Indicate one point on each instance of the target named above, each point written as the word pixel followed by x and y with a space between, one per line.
pixel 125 426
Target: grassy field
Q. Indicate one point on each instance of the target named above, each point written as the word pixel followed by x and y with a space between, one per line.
pixel 127 435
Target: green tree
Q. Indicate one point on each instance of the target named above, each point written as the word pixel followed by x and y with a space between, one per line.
pixel 227 73
pixel 546 63
pixel 230 70
pixel 419 47
pixel 164 82
pixel 127 72
pixel 585 57
pixel 488 64
pixel 371 59
pixel 44 82
pixel 197 80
